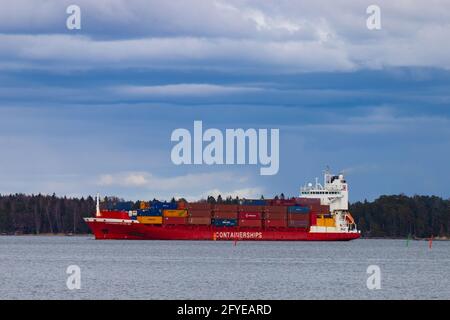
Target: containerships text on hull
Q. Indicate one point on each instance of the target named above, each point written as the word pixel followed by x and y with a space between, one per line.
pixel 319 214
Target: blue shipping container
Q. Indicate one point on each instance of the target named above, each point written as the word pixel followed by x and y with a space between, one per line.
pixel 297 209
pixel 164 205
pixel 149 212
pixel 224 222
pixel 254 202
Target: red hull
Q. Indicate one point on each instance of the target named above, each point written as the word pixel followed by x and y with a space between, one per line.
pixel 124 229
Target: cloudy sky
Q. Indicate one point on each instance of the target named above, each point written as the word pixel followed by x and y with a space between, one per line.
pixel 92 110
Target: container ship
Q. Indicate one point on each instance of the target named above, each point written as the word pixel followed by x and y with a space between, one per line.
pixel 320 213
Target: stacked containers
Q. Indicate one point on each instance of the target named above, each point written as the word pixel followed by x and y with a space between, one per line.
pixel 225 215
pixel 298 217
pixel 275 216
pixel 250 213
pixel 175 216
pixel 199 213
pixel 316 209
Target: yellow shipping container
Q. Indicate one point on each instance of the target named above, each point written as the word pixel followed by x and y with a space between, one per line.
pixel 175 213
pixel 150 219
pixel 325 222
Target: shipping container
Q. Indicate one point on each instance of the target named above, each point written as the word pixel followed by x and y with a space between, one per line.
pixel 199 220
pixel 199 213
pixel 150 219
pixel 124 215
pixel 175 213
pixel 251 208
pixel 248 202
pixel 298 217
pixel 175 220
pixel 225 207
pixel 275 215
pixel 325 222
pixel 279 209
pixel 298 224
pixel 149 212
pixel 198 206
pixel 164 205
pixel 225 214
pixel 224 222
pixel 250 215
pixel 282 202
pixel 275 223
pixel 298 209
pixel 307 201
pixel 144 205
pixel 181 204
pixel 254 223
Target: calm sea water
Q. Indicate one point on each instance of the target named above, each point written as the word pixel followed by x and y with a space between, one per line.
pixel 35 268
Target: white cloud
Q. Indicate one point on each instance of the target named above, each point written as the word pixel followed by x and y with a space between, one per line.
pixel 189 186
pixel 184 89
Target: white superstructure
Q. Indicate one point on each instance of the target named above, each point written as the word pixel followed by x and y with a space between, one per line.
pixel 334 193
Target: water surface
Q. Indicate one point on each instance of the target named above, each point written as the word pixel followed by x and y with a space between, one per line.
pixel 34 267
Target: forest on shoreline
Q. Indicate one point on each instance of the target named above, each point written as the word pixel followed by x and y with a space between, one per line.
pixel 393 216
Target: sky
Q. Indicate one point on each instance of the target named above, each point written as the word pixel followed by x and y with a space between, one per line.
pixel 92 110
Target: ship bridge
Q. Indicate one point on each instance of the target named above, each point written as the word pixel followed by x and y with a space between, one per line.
pixel 333 192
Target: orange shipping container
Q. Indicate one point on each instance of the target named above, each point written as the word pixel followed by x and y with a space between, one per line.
pixel 144 205
pixel 175 213
pixel 149 219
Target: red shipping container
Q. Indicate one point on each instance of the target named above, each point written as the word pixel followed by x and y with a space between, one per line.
pixel 250 215
pixel 199 206
pixel 250 223
pixel 199 213
pixel 279 209
pixel 307 201
pixel 298 217
pixel 225 214
pixel 225 207
pixel 248 208
pixel 275 215
pixel 275 223
pixel 282 202
pixel 174 220
pixel 199 220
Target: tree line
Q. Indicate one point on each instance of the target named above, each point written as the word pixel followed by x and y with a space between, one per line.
pixel 387 216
